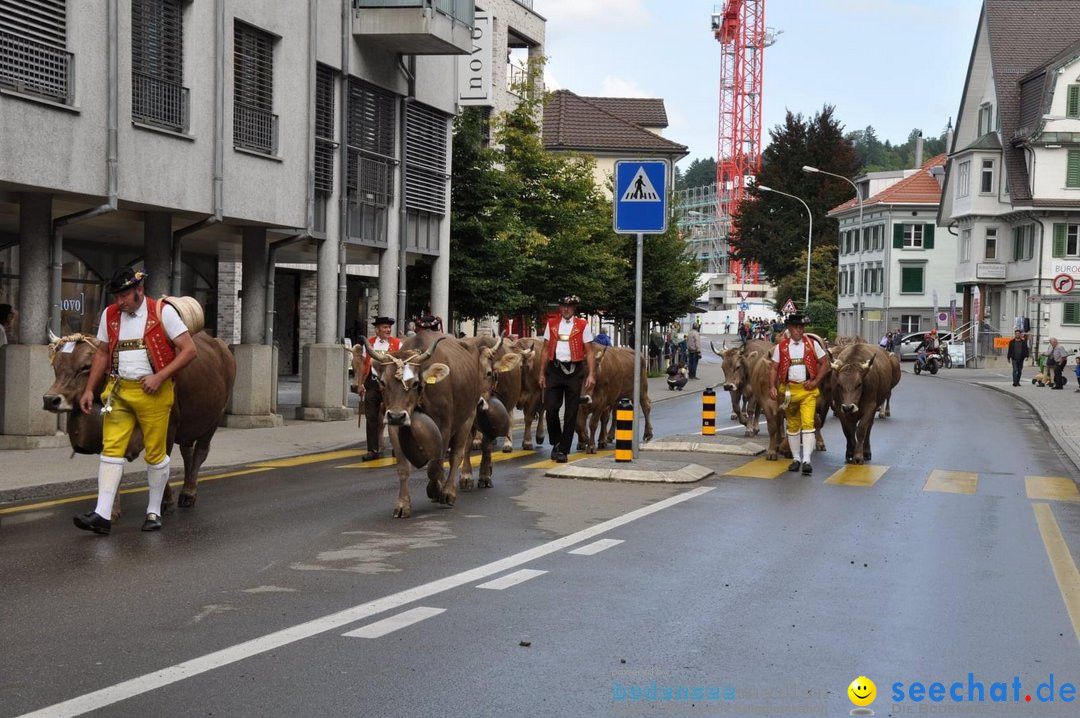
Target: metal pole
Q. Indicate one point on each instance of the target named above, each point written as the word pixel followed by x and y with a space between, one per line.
pixel 809 249
pixel 637 338
pixel 859 316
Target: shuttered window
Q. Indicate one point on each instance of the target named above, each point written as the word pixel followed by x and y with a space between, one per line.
pixel 254 123
pixel 158 96
pixel 1072 171
pixel 1070 313
pixel 911 280
pixel 1072 102
pixel 33 49
pixel 1066 240
pixel 371 137
pixel 324 129
pixel 426 140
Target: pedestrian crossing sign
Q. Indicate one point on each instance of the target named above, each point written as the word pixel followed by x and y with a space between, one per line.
pixel 641 196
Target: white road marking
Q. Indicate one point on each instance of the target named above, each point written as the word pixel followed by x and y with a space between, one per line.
pixel 512 579
pixel 389 625
pixel 166 676
pixel 596 547
pixel 738 426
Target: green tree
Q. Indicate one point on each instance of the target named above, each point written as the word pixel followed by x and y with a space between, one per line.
pixel 700 173
pixel 822 279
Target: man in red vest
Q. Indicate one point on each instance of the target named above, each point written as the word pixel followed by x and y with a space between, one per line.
pixel 798 366
pixel 569 360
pixel 370 393
pixel 144 343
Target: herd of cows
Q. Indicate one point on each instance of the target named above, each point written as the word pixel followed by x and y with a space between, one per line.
pixel 444 395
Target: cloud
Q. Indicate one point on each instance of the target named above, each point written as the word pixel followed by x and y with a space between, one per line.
pixel 551 83
pixel 612 12
pixel 621 87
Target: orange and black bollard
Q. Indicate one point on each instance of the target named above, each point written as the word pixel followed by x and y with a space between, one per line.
pixel 708 412
pixel 624 430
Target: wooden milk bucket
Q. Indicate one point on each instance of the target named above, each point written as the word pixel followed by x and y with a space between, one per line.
pixel 190 311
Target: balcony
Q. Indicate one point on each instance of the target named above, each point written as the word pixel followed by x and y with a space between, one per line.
pixel 255 129
pixel 36 69
pixel 159 102
pixel 416 27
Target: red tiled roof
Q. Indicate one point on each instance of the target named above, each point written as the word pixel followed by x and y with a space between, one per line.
pixel 642 111
pixel 919 188
pixel 572 122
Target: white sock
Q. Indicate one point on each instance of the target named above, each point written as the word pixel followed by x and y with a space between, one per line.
pixel 157 477
pixel 793 442
pixel 807 446
pixel 110 472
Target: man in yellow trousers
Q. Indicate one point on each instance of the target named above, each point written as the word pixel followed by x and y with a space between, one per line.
pixel 798 366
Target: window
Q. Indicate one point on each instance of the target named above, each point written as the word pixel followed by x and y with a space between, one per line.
pixel 33 49
pixel 911 280
pixel 909 323
pixel 985 119
pixel 1070 313
pixel 868 280
pixel 254 123
pixel 880 282
pixel 991 243
pixel 1023 242
pixel 1066 240
pixel 158 96
pixel 963 178
pixel 965 245
pixel 324 129
pixel 841 282
pixel 913 236
pixel 371 137
pixel 1072 170
pixel 1072 102
pixel 426 140
pixel 986 182
pixel 852 287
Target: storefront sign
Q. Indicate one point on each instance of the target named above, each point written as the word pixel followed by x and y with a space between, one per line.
pixel 1066 266
pixel 474 69
pixel 989 271
pixel 74 305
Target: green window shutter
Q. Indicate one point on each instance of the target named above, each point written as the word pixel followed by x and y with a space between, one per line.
pixel 1072 172
pixel 928 236
pixel 898 236
pixel 1059 240
pixel 1071 314
pixel 1072 104
pixel 911 280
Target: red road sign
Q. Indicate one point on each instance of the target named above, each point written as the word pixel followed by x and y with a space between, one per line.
pixel 1063 283
pixel 742 316
pixel 789 307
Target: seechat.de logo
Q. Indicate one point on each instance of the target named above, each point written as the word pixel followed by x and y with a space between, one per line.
pixel 862 693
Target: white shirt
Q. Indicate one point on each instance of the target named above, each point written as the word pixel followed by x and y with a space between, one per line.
pixel 3 336
pixel 135 363
pixel 382 345
pixel 796 372
pixel 562 348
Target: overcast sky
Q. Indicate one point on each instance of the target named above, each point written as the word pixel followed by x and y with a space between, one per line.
pixel 893 64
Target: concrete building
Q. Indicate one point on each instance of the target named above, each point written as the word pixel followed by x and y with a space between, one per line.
pixel 210 141
pixel 901 276
pixel 1012 188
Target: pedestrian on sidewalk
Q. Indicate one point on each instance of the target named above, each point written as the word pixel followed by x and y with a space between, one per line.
pixel 1017 353
pixel 1077 370
pixel 144 343
pixel 568 346
pixel 693 348
pixel 1056 358
pixel 677 376
pixel 369 390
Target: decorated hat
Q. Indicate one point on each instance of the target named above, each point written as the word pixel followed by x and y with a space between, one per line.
pixel 125 278
pixel 428 321
pixel 382 320
pixel 795 319
pixel 569 300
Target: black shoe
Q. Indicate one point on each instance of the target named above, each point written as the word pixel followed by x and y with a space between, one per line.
pixel 1016 383
pixel 90 521
pixel 807 469
pixel 152 523
pixel 554 453
pixel 371 456
pixel 794 465
pixel 1056 387
pixel 560 458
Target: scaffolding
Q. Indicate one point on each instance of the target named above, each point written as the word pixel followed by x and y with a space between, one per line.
pixel 698 222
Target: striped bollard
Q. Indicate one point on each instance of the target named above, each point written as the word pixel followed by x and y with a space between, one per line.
pixel 708 412
pixel 624 430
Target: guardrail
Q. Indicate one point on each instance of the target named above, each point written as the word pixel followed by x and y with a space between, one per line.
pixel 159 102
pixel 37 69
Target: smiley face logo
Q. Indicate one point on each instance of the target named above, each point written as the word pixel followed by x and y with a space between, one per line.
pixel 862 691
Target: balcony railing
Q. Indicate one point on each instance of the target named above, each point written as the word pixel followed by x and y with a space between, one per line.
pixel 461 10
pixel 37 69
pixel 255 129
pixel 159 102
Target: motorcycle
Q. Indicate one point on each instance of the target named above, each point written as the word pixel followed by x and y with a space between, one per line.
pixel 929 360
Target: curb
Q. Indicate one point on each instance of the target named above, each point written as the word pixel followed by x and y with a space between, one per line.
pixel 686 475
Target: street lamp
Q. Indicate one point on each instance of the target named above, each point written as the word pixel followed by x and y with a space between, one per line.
pixel 858 198
pixel 809 237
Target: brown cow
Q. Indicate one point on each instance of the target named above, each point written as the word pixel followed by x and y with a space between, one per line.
pixel 202 391
pixel 862 382
pixel 614 380
pixel 737 365
pixel 759 385
pixel 531 397
pixel 507 382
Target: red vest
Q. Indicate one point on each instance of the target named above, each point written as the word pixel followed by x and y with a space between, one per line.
pixel 577 338
pixel 395 344
pixel 158 346
pixel 810 359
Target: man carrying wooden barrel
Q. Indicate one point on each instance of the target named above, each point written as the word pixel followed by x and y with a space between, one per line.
pixel 147 344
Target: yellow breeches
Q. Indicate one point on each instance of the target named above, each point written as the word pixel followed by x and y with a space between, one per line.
pixel 800 412
pixel 130 404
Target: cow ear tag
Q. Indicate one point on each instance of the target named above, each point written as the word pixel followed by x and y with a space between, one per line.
pixel 68 348
pixel 431 380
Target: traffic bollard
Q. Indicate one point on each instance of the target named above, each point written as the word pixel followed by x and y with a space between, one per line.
pixel 624 430
pixel 708 412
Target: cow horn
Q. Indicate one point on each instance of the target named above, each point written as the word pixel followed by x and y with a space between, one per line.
pixel 53 339
pixel 865 366
pixel 712 345
pixel 498 344
pixel 376 354
pixel 428 352
pixel 837 365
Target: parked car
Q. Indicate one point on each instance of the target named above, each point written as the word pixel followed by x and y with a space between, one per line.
pixel 906 347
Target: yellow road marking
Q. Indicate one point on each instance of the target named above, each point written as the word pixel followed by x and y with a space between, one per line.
pixel 133 490
pixel 1051 488
pixel 373 464
pixel 1061 561
pixel 857 475
pixel 578 456
pixel 309 459
pixel 760 469
pixel 952 482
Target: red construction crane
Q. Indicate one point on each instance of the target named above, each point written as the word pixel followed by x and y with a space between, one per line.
pixel 739 26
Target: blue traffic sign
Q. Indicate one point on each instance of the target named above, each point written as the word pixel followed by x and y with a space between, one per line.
pixel 641 196
pixel 744 306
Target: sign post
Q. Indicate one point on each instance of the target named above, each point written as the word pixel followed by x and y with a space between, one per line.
pixel 640 208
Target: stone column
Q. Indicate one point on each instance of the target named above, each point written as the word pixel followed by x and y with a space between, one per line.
pixel 35 237
pixel 157 252
pixel 388 273
pixel 253 303
pixel 325 318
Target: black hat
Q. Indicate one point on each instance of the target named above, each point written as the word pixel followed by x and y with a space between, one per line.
pixel 125 278
pixel 796 318
pixel 569 300
pixel 382 320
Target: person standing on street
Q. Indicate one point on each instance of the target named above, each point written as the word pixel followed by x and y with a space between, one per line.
pixel 727 326
pixel 693 348
pixel 568 347
pixel 1056 358
pixel 370 393
pixel 1017 353
pixel 144 343
pixel 798 366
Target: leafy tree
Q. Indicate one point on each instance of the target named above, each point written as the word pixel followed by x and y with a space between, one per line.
pixel 822 278
pixel 700 173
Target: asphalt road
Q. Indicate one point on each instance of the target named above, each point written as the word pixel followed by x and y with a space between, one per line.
pixel 746 593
